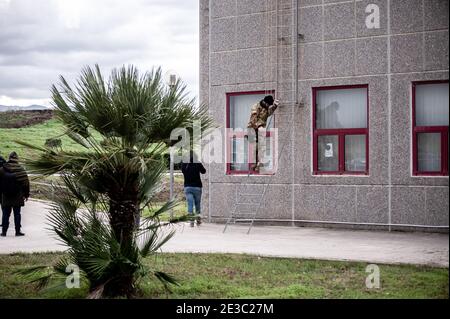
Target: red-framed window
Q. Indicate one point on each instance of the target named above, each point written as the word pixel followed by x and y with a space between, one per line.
pixel 239 151
pixel 341 130
pixel 430 127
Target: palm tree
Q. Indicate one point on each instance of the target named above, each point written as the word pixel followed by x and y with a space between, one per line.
pixel 123 126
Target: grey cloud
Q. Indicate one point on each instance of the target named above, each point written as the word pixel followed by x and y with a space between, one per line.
pixel 37 46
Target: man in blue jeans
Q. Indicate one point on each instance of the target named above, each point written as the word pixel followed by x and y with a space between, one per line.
pixel 193 186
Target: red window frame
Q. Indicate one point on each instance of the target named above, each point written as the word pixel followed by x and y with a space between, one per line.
pixel 241 135
pixel 341 133
pixel 428 129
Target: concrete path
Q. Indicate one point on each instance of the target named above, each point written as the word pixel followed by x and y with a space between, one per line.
pixel 314 243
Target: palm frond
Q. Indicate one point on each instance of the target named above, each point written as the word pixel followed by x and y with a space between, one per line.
pixel 123 125
pixel 166 280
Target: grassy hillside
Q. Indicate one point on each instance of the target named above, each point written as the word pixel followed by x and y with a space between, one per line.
pixel 33 128
pixel 18 119
pixel 35 134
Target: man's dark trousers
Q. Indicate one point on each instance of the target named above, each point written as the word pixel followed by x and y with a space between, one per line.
pixel 5 218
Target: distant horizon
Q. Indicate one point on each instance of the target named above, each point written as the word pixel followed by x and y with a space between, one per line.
pixel 34 104
pixel 31 107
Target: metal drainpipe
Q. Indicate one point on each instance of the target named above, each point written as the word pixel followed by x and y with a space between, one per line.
pixel 295 55
pixel 171 179
pixel 172 83
pixel 295 99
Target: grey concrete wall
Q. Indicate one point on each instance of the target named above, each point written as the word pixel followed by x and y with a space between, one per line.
pixel 239 53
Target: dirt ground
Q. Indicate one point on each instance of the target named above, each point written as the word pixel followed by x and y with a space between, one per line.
pixel 19 119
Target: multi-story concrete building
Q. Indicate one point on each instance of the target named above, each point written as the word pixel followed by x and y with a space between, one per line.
pixel 363 121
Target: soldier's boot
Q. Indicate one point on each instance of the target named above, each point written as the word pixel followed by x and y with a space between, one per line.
pixel 256 167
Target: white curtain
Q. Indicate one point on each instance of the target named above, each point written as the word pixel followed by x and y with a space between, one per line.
pixel 429 152
pixel 355 153
pixel 240 108
pixel 239 158
pixel 346 108
pixel 432 104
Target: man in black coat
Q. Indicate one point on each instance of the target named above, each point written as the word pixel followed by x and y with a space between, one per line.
pixel 2 162
pixel 15 190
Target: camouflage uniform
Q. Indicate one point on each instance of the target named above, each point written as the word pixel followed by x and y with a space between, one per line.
pixel 259 115
pixel 258 119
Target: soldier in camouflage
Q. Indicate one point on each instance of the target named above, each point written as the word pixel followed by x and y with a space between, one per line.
pixel 261 111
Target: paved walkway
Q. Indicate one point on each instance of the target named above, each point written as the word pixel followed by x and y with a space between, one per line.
pixel 314 243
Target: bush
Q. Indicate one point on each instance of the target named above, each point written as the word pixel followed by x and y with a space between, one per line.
pixel 53 142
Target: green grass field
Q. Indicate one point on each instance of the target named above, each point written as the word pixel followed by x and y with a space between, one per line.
pixel 243 276
pixel 36 135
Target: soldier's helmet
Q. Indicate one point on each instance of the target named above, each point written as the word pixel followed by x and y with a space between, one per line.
pixel 269 99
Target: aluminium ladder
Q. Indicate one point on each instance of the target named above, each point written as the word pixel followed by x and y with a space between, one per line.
pixel 246 212
pixel 240 212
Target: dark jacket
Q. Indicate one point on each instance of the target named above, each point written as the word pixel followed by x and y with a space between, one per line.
pixel 14 184
pixel 191 173
pixel 2 162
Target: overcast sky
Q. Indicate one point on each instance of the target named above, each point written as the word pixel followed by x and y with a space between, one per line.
pixel 41 39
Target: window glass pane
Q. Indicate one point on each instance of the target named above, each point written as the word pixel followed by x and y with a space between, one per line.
pixel 345 108
pixel 239 156
pixel 432 104
pixel 429 152
pixel 355 153
pixel 267 154
pixel 240 107
pixel 328 153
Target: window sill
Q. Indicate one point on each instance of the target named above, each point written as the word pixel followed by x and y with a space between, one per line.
pixel 248 175
pixel 430 176
pixel 339 175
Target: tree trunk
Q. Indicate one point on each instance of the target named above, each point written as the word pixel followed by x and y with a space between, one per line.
pixel 122 214
pixel 120 287
pixel 124 207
